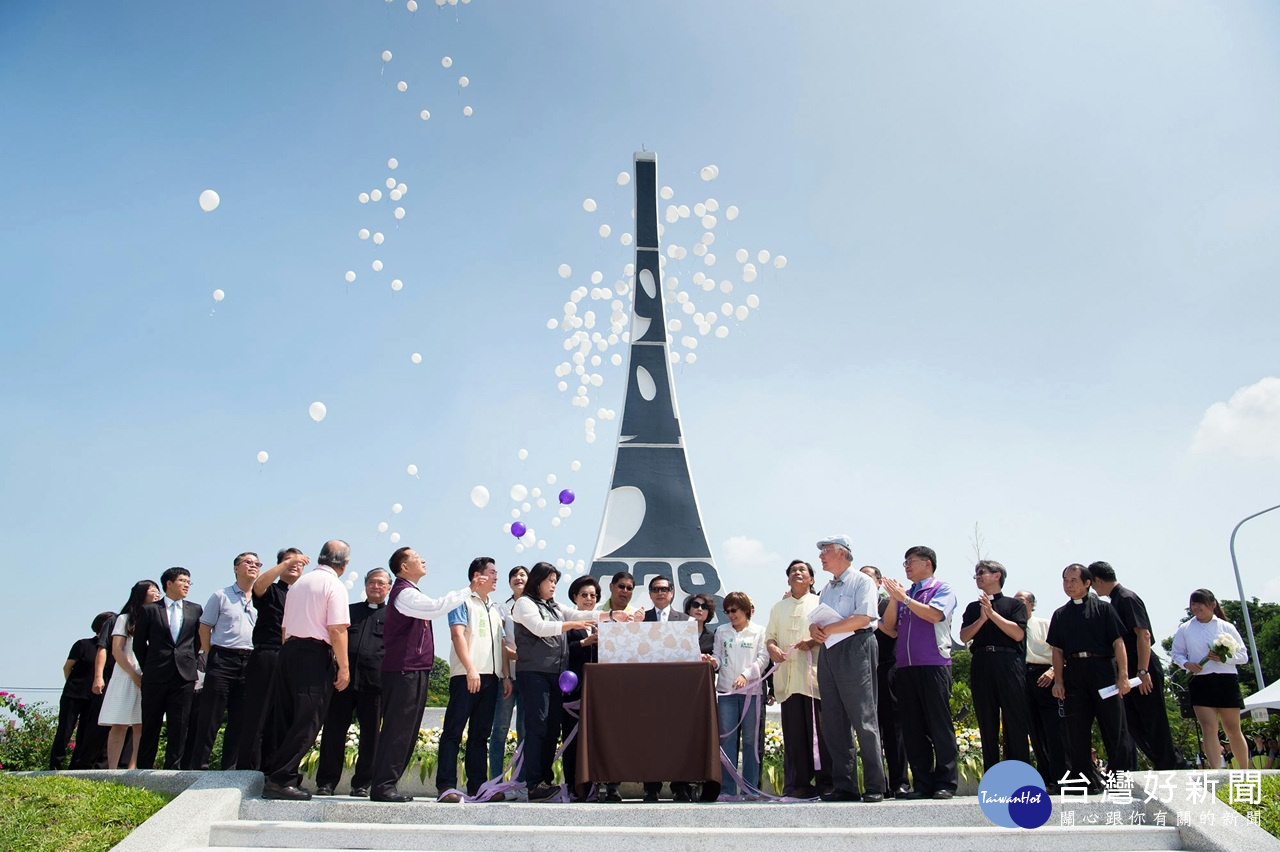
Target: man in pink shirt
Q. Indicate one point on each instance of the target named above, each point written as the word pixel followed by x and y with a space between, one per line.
pixel 313 662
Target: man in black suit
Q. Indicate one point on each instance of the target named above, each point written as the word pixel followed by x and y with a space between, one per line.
pixel 166 642
pixel 662 593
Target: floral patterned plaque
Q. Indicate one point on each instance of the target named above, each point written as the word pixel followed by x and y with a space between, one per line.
pixel 649 642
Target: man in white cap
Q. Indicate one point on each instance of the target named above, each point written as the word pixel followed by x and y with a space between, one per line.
pixel 847 675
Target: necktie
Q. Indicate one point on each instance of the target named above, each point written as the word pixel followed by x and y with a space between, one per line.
pixel 836 583
pixel 175 619
pixel 662 615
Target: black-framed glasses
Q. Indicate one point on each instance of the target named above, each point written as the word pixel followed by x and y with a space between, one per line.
pixel 699 605
pixel 731 610
pixel 661 590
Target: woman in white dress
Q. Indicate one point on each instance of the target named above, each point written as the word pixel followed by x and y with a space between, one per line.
pixel 122 704
pixel 1215 686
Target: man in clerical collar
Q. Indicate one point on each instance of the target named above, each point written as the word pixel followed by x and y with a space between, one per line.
pixel 1047 737
pixel 996 628
pixel 1087 638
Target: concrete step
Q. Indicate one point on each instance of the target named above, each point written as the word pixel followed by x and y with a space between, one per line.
pixel 253 834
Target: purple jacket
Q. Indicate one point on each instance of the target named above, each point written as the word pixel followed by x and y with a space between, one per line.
pixel 408 643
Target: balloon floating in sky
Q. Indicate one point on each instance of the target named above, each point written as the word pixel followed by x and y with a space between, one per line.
pixel 518 529
pixel 464 81
pixel 424 115
pixel 393 163
pixel 396 508
pixel 466 110
pixel 397 284
pixel 412 5
pixel 589 205
pixel 262 457
pixel 522 455
pixel 402 86
pixel 350 276
pixel 480 496
pixel 395 538
pixel 566 496
pixel 382 527
pixel 209 201
pixel 386 56
pixel 576 465
pixel 565 270
pixel 447 62
pixel 412 470
pixel 519 492
pixel 218 295
pixel 416 357
pixel 317 411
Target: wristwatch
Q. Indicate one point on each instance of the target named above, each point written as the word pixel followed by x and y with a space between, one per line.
pixel 1142 671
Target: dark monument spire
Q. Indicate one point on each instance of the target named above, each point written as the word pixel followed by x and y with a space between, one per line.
pixel 652 524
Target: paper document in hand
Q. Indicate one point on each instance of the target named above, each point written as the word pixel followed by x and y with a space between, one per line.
pixel 824 615
pixel 1108 691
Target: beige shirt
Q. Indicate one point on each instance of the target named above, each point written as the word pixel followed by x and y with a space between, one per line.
pixel 1038 650
pixel 789 624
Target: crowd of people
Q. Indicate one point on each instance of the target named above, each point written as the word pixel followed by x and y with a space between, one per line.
pixel 861 670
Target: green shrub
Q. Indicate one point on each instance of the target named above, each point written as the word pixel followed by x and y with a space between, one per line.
pixel 26 736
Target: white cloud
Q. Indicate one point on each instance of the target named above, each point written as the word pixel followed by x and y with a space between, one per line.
pixel 1246 426
pixel 742 555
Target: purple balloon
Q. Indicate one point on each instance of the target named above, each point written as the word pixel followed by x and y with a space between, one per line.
pixel 518 529
pixel 566 496
pixel 568 681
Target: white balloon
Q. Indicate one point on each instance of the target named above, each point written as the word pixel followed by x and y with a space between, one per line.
pixel 464 82
pixel 467 111
pixel 395 195
pixel 666 192
pixel 731 213
pixel 565 270
pixel 624 178
pixel 376 195
pixel 519 547
pixel 317 411
pixel 447 62
pixel 377 266
pixel 604 230
pixel 412 470
pixel 741 255
pixel 397 284
pixel 378 238
pixel 576 465
pixel 424 115
pixel 209 201
pixel 522 455
pixel 753 301
pixel 555 522
pixel 393 163
pixel 402 86
pixel 780 261
pixel 382 527
pixel 399 213
pixel 542 544
pixel 525 507
pixel 551 479
pixel 262 457
pixel 722 331
pixel 363 233
pixel 708 173
pixel 589 205
pixel 396 508
pixel 412 5
pixel 519 492
pixel 480 496
pixel 763 256
pixel 386 56
pixel 416 357
pixel 395 538
pixel 218 295
pixel 364 198
pixel 741 312
pixel 569 549
pixel 350 276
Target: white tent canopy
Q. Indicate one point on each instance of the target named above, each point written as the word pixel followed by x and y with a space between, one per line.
pixel 1269 697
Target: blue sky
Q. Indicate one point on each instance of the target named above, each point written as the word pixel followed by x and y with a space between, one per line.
pixel 1032 252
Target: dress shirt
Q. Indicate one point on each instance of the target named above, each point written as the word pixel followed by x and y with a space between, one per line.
pixel 1038 650
pixel 316 602
pixel 526 614
pixel 1194 638
pixel 789 624
pixel 1087 625
pixel 853 593
pixel 231 615
pixel 413 603
pixel 990 633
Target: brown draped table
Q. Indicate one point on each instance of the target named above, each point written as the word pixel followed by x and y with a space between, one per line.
pixel 649 722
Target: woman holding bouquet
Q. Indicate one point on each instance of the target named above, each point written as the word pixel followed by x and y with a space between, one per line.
pixel 1210 648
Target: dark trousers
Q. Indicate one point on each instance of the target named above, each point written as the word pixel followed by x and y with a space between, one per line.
pixel 193 716
pixel 224 691
pixel 1148 722
pixel 91 738
pixel 1082 678
pixel 924 709
pixel 170 702
pixel 1048 736
pixel 801 722
pixel 895 750
pixel 999 684
pixel 540 696
pixel 257 737
pixel 847 684
pixel 304 682
pixel 72 713
pixel 472 712
pixel 404 697
pixel 366 706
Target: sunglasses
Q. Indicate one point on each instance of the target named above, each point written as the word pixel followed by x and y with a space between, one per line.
pixel 625 588
pixel 660 590
pixel 699 605
pixel 731 610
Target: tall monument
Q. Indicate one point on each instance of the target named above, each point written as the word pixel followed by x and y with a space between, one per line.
pixel 652 524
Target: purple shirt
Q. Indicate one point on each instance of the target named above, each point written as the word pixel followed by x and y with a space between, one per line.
pixel 921 643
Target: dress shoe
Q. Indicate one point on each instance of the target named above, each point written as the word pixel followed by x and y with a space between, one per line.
pixel 360 792
pixel 272 790
pixel 324 790
pixel 651 798
pixel 902 790
pixel 838 795
pixel 450 798
pixel 913 794
pixel 943 794
pixel 542 792
pixel 611 796
pixel 682 795
pixel 872 798
pixel 394 798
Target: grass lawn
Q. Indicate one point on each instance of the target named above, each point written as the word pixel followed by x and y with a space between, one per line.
pixel 1270 806
pixel 70 814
